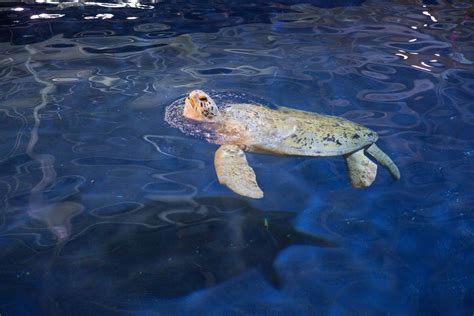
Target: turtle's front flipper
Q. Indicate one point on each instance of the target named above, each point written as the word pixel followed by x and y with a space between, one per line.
pixel 233 170
pixel 362 171
pixel 384 160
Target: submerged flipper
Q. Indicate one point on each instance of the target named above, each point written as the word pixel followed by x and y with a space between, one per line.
pixel 233 170
pixel 384 160
pixel 362 171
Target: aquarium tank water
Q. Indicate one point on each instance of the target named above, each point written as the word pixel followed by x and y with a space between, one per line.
pixel 113 202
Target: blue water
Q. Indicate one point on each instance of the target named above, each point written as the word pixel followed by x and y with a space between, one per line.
pixel 106 209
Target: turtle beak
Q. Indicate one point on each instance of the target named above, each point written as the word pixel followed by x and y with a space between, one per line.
pixel 190 110
pixel 189 102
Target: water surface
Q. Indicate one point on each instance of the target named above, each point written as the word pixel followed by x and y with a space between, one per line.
pixel 107 209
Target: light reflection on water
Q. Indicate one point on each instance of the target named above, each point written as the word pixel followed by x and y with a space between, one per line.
pixel 94 185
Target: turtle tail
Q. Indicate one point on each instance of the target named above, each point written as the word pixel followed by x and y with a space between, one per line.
pixel 384 160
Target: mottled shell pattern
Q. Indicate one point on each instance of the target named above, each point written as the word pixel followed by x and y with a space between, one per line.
pixel 290 132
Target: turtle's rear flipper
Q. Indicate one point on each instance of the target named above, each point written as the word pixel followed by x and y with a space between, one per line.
pixel 362 171
pixel 384 160
pixel 233 170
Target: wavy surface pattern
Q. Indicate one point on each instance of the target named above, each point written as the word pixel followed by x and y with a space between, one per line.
pixel 105 208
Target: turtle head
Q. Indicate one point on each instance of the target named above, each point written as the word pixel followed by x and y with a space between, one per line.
pixel 200 107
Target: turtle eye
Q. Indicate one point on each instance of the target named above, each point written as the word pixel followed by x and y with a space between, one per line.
pixel 202 98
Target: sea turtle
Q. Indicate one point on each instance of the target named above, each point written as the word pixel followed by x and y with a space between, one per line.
pixel 283 131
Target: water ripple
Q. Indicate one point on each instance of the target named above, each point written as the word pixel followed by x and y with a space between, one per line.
pixel 95 184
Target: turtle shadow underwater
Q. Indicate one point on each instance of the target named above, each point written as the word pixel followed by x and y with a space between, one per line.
pixel 205 242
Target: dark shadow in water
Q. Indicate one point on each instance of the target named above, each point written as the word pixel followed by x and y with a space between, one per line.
pixel 207 241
